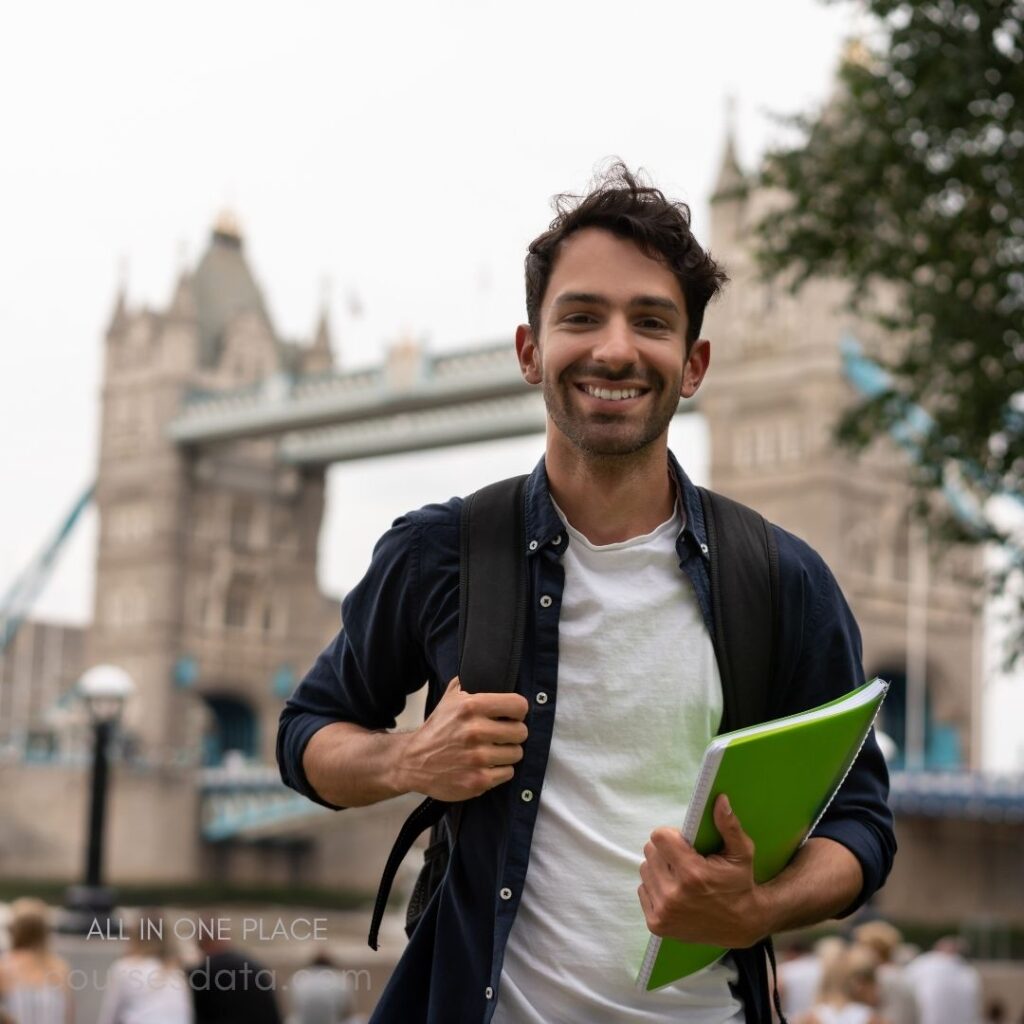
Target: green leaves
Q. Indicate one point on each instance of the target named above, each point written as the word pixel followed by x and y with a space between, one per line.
pixel 912 180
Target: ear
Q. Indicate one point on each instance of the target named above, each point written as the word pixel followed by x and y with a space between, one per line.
pixel 697 362
pixel 528 353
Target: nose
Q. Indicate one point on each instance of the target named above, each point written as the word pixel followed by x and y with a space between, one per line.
pixel 615 345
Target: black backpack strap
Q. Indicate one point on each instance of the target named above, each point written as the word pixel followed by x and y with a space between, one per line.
pixel 492 587
pixel 492 625
pixel 426 814
pixel 744 570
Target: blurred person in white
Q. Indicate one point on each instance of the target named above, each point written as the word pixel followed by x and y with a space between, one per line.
pixel 33 980
pixel 147 984
pixel 800 977
pixel 849 989
pixel 321 994
pixel 947 987
pixel 897 1001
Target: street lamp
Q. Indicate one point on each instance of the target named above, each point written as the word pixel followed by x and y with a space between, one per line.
pixel 104 690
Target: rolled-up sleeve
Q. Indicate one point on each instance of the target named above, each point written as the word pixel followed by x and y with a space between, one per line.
pixel 376 660
pixel 825 660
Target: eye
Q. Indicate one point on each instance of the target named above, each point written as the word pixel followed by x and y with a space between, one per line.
pixel 652 323
pixel 579 319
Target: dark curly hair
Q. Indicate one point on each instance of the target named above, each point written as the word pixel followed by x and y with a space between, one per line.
pixel 626 205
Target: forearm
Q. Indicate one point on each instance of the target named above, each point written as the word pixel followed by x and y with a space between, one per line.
pixel 469 744
pixel 822 879
pixel 350 766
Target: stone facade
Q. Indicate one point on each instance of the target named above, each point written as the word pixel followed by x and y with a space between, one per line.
pixel 206 590
pixel 956 870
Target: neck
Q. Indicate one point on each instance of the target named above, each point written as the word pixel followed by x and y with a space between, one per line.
pixel 612 498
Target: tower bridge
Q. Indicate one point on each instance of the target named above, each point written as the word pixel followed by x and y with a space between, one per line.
pixel 216 433
pixel 414 400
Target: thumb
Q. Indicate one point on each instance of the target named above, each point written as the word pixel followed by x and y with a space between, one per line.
pixel 737 844
pixel 454 686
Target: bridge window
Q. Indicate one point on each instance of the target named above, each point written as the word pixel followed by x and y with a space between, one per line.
pixel 791 441
pixel 942 747
pixel 901 552
pixel 743 448
pixel 766 451
pixel 234 728
pixel 129 523
pixel 126 606
pixel 862 547
pixel 242 512
pixel 237 605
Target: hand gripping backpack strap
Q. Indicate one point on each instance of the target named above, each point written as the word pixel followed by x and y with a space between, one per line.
pixel 492 625
pixel 744 570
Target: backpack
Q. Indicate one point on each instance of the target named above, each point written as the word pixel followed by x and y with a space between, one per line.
pixel 744 572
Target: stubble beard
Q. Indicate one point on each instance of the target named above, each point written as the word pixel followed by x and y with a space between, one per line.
pixel 591 434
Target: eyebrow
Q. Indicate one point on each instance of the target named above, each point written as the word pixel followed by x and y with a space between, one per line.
pixel 593 299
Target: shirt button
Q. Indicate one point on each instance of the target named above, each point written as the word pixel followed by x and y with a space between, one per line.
pixel 542 697
pixel 526 796
pixel 506 894
pixel 704 549
pixel 488 992
pixel 557 540
pixel 534 545
pixel 545 601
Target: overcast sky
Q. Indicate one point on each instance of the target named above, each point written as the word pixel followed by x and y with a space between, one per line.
pixel 400 154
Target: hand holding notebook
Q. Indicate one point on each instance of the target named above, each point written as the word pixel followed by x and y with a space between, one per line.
pixel 780 777
pixel 708 899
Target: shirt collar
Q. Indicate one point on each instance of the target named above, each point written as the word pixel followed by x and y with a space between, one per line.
pixel 542 522
pixel 543 525
pixel 694 529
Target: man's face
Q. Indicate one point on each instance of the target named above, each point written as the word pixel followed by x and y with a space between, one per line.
pixel 612 348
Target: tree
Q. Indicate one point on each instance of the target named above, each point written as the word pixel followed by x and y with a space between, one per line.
pixel 913 175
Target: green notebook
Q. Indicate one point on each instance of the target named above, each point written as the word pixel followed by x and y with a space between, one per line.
pixel 779 777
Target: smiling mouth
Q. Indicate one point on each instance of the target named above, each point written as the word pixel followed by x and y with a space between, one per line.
pixel 611 394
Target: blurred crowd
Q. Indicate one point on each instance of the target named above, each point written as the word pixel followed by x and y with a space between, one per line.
pixel 874 977
pixel 154 982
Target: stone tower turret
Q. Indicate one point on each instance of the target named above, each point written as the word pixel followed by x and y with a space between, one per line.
pixel 776 387
pixel 206 586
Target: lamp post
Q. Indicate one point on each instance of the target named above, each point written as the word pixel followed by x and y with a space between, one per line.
pixel 104 690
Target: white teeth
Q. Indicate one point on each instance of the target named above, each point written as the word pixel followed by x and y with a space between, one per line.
pixel 610 395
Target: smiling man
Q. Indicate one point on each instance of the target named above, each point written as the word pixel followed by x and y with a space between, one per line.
pixel 569 852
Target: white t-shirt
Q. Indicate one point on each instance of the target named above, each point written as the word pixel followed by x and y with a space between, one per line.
pixel 638 698
pixel 947 987
pixel 851 1013
pixel 799 981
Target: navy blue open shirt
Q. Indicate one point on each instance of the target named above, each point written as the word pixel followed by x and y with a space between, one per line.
pixel 401 630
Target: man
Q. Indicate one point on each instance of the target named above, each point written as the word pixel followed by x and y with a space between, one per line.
pixel 229 987
pixel 557 876
pixel 321 994
pixel 947 986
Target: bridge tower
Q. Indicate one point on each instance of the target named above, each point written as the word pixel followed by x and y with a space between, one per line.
pixel 206 588
pixel 776 386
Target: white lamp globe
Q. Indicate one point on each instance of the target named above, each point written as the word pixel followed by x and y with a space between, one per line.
pixel 105 689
